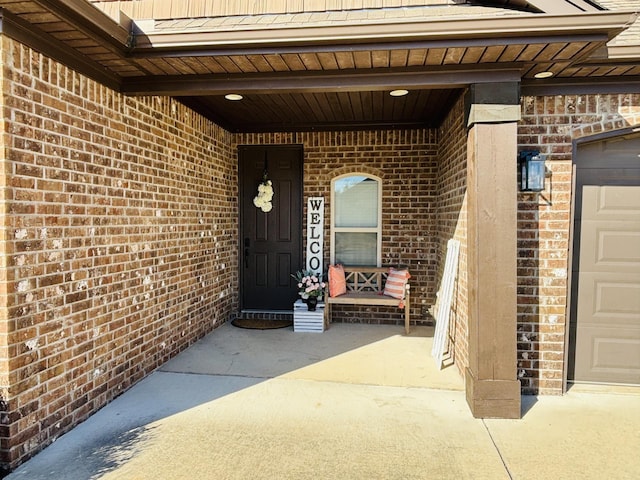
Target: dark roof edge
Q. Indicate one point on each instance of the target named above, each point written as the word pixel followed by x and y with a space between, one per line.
pixel 91 21
pixel 580 86
pixel 314 81
pixel 23 32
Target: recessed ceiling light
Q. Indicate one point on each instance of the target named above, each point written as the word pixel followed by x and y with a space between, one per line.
pixel 233 97
pixel 398 93
pixel 544 74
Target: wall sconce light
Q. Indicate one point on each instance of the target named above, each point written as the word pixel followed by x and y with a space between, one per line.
pixel 532 171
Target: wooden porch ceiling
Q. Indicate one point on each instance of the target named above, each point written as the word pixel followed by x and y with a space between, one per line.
pixel 329 78
pixel 327 110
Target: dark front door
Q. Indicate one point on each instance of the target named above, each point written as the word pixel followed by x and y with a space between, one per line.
pixel 270 242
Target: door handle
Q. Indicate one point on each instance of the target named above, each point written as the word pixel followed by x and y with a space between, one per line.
pixel 247 243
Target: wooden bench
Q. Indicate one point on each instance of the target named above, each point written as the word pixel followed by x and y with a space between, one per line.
pixel 364 287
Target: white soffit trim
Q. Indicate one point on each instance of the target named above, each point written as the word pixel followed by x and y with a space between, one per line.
pixel 490 113
pixel 429 29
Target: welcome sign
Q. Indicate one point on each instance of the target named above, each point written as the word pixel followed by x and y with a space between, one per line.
pixel 315 234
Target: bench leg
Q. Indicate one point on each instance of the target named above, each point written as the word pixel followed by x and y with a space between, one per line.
pixel 407 309
pixel 327 314
pixel 406 318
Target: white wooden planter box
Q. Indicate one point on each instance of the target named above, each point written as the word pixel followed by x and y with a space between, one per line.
pixel 306 321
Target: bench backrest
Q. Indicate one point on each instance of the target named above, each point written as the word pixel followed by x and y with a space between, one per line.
pixel 365 279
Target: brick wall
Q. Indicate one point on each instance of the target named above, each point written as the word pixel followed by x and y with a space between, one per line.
pixel 452 223
pixel 407 163
pixel 120 233
pixel 551 124
pixel 432 209
pixel 120 229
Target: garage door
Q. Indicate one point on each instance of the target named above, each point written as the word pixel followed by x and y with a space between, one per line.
pixel 605 314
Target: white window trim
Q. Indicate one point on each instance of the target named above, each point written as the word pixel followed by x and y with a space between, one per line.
pixel 377 230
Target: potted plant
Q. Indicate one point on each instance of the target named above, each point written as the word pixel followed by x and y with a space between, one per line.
pixel 310 287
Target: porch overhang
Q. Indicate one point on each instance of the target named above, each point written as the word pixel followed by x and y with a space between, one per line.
pixel 279 67
pixel 327 74
pixel 353 80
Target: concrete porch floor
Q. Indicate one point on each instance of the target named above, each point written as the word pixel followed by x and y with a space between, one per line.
pixel 354 402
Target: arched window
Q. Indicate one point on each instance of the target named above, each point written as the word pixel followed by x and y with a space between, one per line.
pixel 356 220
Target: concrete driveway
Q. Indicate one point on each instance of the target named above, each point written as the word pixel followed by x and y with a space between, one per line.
pixel 354 402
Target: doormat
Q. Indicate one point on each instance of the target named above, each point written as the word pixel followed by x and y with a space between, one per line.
pixel 260 324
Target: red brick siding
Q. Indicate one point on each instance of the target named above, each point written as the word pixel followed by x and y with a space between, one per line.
pixel 121 243
pixel 551 124
pixel 452 223
pixel 120 233
pixel 407 163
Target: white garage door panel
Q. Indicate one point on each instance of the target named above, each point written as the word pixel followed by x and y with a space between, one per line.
pixel 607 245
pixel 610 355
pixel 611 203
pixel 610 299
pixel 607 304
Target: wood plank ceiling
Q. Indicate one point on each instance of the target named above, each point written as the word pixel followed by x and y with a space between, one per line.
pixel 336 84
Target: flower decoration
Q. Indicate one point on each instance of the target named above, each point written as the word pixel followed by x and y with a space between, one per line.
pixel 265 195
pixel 309 284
